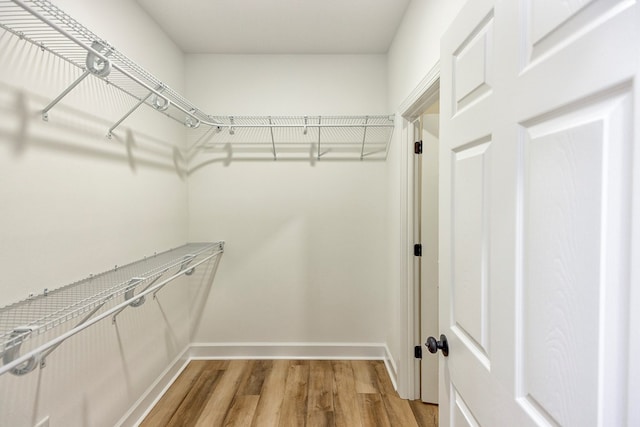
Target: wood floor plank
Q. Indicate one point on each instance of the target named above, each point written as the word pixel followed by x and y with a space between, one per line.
pixel 294 405
pixel 242 411
pixel 321 419
pixel 217 406
pixel 374 413
pixel 191 407
pixel 365 376
pixel 268 410
pixel 252 384
pixel 320 400
pixel 384 381
pixel 345 402
pixel 320 386
pixel 167 405
pixel 426 414
pixel 399 411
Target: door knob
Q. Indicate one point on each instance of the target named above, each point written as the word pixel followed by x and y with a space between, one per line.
pixel 433 346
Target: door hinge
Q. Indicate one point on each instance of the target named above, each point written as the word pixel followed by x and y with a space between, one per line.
pixel 417 352
pixel 417 249
pixel 417 147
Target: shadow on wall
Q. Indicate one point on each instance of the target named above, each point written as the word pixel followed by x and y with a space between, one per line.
pixel 30 79
pixel 76 132
pixel 221 145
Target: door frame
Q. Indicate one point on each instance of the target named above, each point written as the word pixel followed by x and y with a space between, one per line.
pixel 424 94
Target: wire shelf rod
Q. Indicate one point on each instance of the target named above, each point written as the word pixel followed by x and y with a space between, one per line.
pixel 302 125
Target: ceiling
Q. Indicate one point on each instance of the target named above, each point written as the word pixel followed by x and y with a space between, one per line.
pixel 279 26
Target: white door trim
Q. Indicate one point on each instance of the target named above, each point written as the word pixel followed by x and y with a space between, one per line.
pixel 424 94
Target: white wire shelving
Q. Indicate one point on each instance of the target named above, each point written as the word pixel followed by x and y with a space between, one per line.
pixel 46 26
pixel 83 300
pixel 361 137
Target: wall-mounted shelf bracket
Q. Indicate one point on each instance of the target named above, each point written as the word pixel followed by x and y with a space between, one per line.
pixel 44 355
pixel 12 351
pixel 45 111
pixel 123 118
pixel 364 137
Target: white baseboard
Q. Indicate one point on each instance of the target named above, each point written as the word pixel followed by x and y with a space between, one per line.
pixel 229 351
pixel 391 366
pixel 149 398
pixel 258 350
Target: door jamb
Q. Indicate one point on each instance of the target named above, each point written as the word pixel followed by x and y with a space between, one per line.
pixel 424 94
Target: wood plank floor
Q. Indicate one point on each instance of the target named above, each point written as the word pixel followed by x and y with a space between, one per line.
pixel 292 393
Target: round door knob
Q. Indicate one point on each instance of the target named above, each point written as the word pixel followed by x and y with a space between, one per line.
pixel 433 345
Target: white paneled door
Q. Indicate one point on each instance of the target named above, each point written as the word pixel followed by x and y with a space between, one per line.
pixel 539 198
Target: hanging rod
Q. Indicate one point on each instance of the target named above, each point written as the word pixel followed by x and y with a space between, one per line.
pixel 26 319
pixel 52 30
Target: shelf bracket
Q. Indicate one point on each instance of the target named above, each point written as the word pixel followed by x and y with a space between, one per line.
pixel 186 260
pixel 273 142
pixel 131 287
pixel 319 130
pixel 191 121
pixel 129 294
pixel 43 357
pixel 364 137
pixel 45 111
pixel 232 130
pixel 135 107
pixel 158 101
pixel 96 64
pixel 12 351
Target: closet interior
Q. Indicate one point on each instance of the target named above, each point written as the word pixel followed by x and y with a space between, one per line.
pixel 41 335
pixel 46 26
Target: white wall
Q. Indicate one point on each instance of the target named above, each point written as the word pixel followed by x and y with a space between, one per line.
pixel 75 203
pixel 416 46
pixel 306 257
pixel 412 55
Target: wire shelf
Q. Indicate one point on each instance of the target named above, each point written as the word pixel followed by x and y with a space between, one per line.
pixel 46 26
pixel 361 136
pixel 41 313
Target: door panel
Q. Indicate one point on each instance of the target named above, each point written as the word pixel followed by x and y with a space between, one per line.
pixel 575 170
pixel 539 140
pixel 470 287
pixel 472 65
pixel 462 416
pixel 551 24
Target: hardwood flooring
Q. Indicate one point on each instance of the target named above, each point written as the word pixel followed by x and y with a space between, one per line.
pixel 294 393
